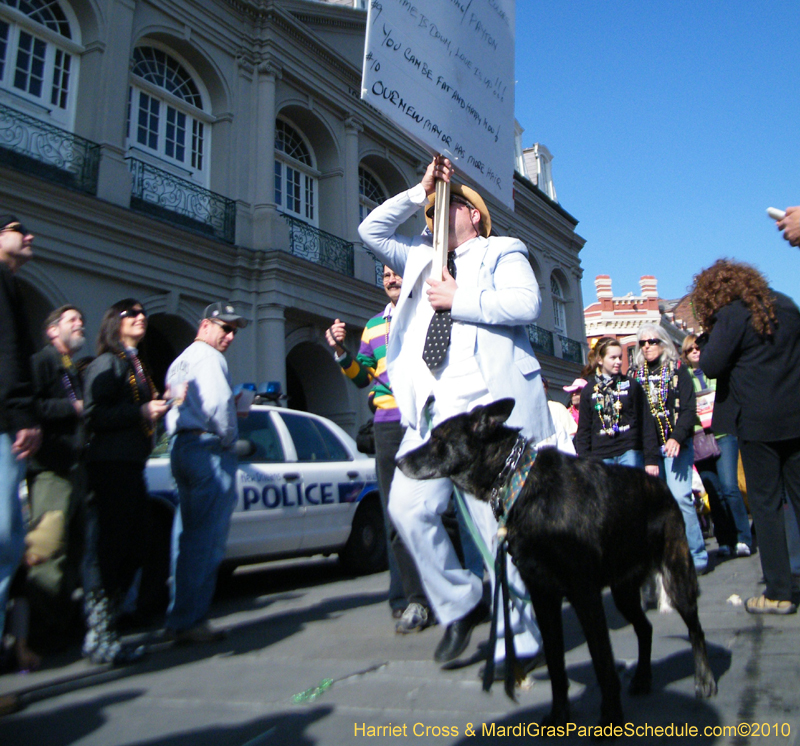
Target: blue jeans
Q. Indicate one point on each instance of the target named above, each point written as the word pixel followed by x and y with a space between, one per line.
pixel 205 474
pixel 12 532
pixel 677 472
pixel 629 458
pixel 728 473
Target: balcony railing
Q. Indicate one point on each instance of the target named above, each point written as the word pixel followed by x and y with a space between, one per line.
pixel 49 152
pixel 541 339
pixel 319 246
pixel 181 202
pixel 571 350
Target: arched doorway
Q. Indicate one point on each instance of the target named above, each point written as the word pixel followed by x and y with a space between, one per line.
pixel 38 309
pixel 167 336
pixel 315 384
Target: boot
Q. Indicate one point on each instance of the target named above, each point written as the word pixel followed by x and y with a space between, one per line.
pixel 102 643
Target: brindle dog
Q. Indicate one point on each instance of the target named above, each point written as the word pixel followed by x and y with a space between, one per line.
pixel 578 526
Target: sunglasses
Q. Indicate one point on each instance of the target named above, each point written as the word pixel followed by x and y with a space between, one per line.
pixel 133 313
pixel 227 328
pixel 454 200
pixel 693 348
pixel 16 228
pixel 651 342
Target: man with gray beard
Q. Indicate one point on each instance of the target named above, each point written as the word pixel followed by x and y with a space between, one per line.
pixel 55 478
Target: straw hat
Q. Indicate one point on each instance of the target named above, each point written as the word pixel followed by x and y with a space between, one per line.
pixel 473 198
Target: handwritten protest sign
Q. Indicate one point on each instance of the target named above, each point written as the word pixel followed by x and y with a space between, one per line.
pixel 444 72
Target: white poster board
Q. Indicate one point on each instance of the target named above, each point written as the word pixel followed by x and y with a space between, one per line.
pixel 443 71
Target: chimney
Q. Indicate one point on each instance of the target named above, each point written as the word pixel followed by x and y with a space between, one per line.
pixel 603 285
pixel 649 286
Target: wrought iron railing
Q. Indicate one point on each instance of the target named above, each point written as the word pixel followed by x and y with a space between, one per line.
pixel 49 152
pixel 541 339
pixel 571 350
pixel 162 195
pixel 319 247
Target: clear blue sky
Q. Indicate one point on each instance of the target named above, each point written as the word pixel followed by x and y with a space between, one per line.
pixel 673 126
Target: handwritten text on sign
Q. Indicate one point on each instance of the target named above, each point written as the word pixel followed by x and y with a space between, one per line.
pixel 444 72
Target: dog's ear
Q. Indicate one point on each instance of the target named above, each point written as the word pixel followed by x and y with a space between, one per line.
pixel 493 415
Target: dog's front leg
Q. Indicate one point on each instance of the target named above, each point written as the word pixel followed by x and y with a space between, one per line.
pixel 588 605
pixel 547 607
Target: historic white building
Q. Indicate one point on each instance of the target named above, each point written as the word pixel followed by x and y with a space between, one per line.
pixel 183 152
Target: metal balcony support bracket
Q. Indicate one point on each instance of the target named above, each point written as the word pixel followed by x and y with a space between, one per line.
pixel 571 350
pixel 319 247
pixel 541 339
pixel 48 152
pixel 162 195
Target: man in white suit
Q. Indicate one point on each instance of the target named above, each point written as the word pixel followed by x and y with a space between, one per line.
pixel 489 357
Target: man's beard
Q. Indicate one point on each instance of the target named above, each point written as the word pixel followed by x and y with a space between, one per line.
pixel 74 344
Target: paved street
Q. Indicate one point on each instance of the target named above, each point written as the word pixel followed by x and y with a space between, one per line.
pixel 294 624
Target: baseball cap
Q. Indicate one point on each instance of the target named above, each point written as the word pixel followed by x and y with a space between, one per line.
pixel 224 311
pixel 576 385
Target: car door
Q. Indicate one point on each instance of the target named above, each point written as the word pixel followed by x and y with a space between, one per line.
pixel 267 520
pixel 329 481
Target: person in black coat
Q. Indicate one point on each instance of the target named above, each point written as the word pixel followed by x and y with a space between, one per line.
pixel 614 422
pixel 20 435
pixel 751 345
pixel 55 478
pixel 121 406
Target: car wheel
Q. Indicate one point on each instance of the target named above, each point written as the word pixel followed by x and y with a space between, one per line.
pixel 365 551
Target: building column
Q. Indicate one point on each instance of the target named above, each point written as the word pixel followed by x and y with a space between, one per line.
pixel 269 229
pixel 103 115
pixel 363 264
pixel 271 344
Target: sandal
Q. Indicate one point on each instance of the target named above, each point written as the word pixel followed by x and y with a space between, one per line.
pixel 763 605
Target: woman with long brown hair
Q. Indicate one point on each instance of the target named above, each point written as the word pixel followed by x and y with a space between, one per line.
pixel 122 406
pixel 613 424
pixel 751 345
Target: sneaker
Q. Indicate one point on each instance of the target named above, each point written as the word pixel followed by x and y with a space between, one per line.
pixel 763 605
pixel 742 550
pixel 200 633
pixel 725 551
pixel 397 611
pixel 415 618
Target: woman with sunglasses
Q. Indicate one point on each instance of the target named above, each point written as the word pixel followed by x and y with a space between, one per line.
pixel 731 524
pixel 671 402
pixel 614 424
pixel 122 407
pixel 751 345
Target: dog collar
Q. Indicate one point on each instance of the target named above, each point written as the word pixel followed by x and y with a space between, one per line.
pixel 509 482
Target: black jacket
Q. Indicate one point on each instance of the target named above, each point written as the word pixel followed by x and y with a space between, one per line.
pixel 16 348
pixel 62 428
pixel 758 379
pixel 681 403
pixel 635 415
pixel 117 430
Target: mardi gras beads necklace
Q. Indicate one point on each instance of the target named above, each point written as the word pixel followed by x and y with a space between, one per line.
pixel 657 397
pixel 608 406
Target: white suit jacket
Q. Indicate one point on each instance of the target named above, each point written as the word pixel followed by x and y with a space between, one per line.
pixel 500 303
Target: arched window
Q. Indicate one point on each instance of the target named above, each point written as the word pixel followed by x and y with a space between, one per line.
pixel 370 193
pixel 39 56
pixel 166 117
pixel 295 175
pixel 559 307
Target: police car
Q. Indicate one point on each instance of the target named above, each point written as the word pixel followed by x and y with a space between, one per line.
pixel 302 489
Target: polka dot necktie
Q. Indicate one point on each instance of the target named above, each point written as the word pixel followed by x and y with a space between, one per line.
pixel 437 340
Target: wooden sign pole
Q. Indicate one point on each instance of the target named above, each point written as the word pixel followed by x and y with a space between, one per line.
pixel 441 228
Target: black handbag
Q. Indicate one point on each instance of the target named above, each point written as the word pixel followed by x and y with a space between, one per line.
pixel 705 445
pixel 365 439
